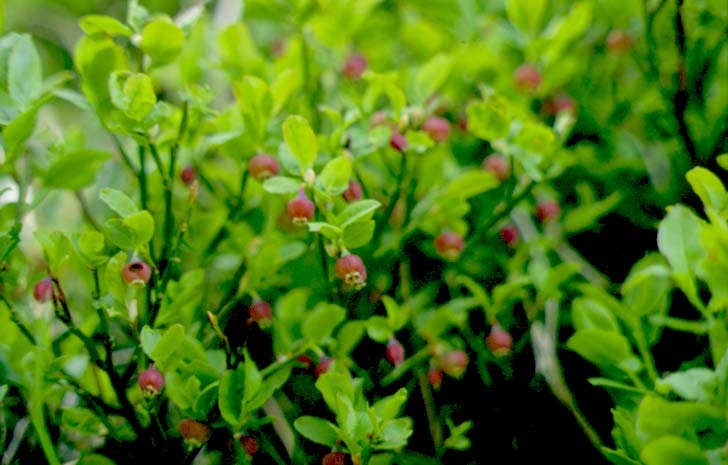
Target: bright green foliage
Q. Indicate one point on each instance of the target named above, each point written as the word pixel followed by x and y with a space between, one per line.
pixel 131 135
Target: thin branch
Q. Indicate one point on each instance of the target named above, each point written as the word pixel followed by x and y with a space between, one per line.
pixel 86 211
pixel 433 420
pixel 15 318
pixel 681 96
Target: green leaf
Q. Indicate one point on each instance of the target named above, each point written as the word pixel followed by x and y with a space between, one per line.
pixel 162 41
pixel 253 378
pixel 334 383
pixel 142 223
pixel 469 184
pixel 91 243
pixel 112 276
pixel 120 234
pixel 328 230
pixel 709 188
pixel 698 384
pixel 618 457
pixel 334 178
pixel 431 76
pixel 322 321
pixel 167 345
pixel 611 384
pixel 101 24
pixel 75 170
pixel 317 430
pixel 25 75
pixel 81 421
pixel 358 234
pixel 206 399
pixel 281 185
pixel 536 138
pixel 256 105
pixel 527 15
pixel 19 130
pixel 230 396
pixel 722 160
pixel 397 316
pixel 647 287
pixel 132 93
pixel 136 15
pixel 378 328
pixel 391 407
pixel 673 450
pixel 281 89
pixel 95 459
pixel 587 313
pixel 363 209
pixel 585 216
pixel 678 239
pixel 489 119
pixel 301 141
pixel 56 248
pixel 96 57
pixel 601 347
pixel 395 433
pixel 658 417
pixel 149 339
pixel 91 246
pixel 118 201
pixel 349 336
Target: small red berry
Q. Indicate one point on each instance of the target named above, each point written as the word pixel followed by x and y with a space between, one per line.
pixel 354 191
pixel 434 376
pixel 437 128
pixel 355 66
pixel 136 273
pixel 497 164
pixel 323 366
pixel 305 360
pixel 449 245
pixel 151 381
pixel 398 142
pixel 619 41
pixel 454 363
pixel 188 174
pixel 334 458
pixel 527 77
pixel 462 123
pixel 300 209
pixel 250 445
pixel 547 210
pixel 509 235
pixel 559 104
pixel 263 166
pixel 379 118
pixel 395 352
pixel 351 270
pixel 43 290
pixel 499 341
pixel 194 432
pixel 277 47
pixel 261 313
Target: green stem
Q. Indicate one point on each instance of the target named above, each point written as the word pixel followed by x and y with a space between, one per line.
pixel 86 211
pixel 142 178
pixel 644 351
pixel 15 318
pixel 433 420
pixel 510 202
pixel 105 364
pixel 394 198
pixel 410 364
